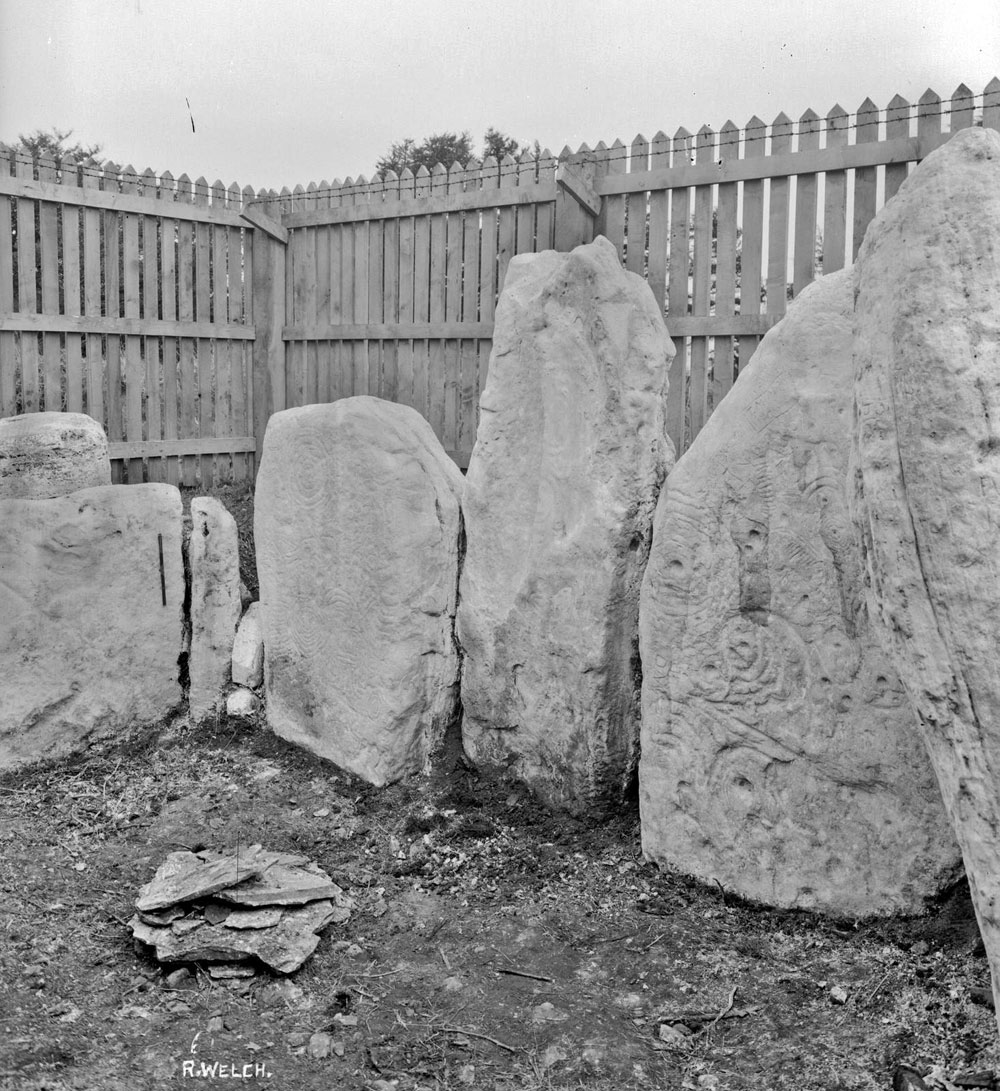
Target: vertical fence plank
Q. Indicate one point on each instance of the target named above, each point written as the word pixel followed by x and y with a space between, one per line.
pixel 659 222
pixel 991 104
pixel 299 274
pixel 324 377
pixel 151 312
pixel 241 267
pixel 390 298
pixel 635 240
pixel 928 118
pixel 92 300
pixel 49 262
pixel 438 242
pixel 345 363
pixel 404 347
pixel 865 178
pixel 751 256
pixel 506 235
pixel 488 264
pixel 677 293
pixel 168 308
pixel 187 400
pixel 777 223
pixel 8 358
pixel 72 284
pixel 701 284
pixel 471 272
pixel 725 265
pixel 804 243
pixel 375 288
pixel 545 212
pixel 111 229
pixel 222 418
pixel 897 125
pixel 423 388
pixel 835 196
pixel 132 308
pixel 612 216
pixel 27 295
pixel 962 108
pixel 359 349
pixel 446 403
pixel 205 348
pixel 333 274
pixel 527 169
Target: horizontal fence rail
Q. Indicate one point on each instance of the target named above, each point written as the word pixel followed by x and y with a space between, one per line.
pixel 182 315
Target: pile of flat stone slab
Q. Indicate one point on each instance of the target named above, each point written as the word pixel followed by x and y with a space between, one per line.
pixel 236 909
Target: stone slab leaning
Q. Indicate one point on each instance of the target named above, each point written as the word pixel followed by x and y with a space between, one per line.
pixel 91 622
pixel 559 497
pixel 779 752
pixel 51 454
pixel 357 526
pixel 927 477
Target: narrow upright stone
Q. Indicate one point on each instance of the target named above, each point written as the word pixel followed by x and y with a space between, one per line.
pixel 51 454
pixel 570 455
pixel 927 477
pixel 779 754
pixel 215 603
pixel 357 528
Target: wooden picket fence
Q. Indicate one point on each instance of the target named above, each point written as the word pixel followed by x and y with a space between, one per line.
pixel 182 315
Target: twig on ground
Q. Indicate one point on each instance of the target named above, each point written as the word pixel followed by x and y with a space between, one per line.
pixel 524 973
pixel 878 987
pixel 388 973
pixel 444 959
pixel 476 1034
pixel 728 1007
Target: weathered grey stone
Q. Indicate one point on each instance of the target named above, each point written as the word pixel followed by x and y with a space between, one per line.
pixel 356 524
pixel 213 553
pixel 779 754
pixel 927 477
pixel 558 505
pixel 51 454
pixel 90 618
pixel 248 650
pixel 242 703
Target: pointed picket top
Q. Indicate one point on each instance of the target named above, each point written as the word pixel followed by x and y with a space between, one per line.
pixel 991 104
pixel 929 98
pixel 423 172
pixel 659 151
pixel 705 143
pixel 527 156
pixel 929 114
pixel 68 171
pixel 508 164
pixel 638 154
pixel 184 188
pixel 961 108
pixel 148 175
pixel 246 196
pixel 456 177
pixel 866 122
pixel 781 126
pixel 566 153
pixel 809 121
pixel 219 193
pixel 473 166
pixel 584 149
pixel 361 181
pixel 167 186
pixel 897 113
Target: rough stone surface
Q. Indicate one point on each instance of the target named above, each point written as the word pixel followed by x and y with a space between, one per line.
pixel 213 554
pixel 242 703
pixel 51 454
pixel 779 754
pixel 357 528
pixel 248 650
pixel 927 477
pixel 88 646
pixel 558 505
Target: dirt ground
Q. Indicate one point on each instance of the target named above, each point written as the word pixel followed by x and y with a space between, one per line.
pixel 493 945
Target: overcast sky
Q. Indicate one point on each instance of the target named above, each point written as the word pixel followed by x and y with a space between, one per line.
pixel 291 91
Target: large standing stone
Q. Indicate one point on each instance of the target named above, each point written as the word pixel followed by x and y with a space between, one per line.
pixel 214 558
pixel 51 454
pixel 90 617
pixel 570 455
pixel 927 477
pixel 357 525
pixel 779 754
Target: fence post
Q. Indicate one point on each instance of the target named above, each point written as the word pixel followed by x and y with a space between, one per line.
pixel 270 240
pixel 577 205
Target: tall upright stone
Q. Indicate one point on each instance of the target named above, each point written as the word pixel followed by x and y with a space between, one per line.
pixel 357 527
pixel 559 497
pixel 779 754
pixel 927 477
pixel 91 617
pixel 51 454
pixel 213 556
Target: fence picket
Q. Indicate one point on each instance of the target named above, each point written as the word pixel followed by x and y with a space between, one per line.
pixel 241 265
pixel 468 349
pixel 897 125
pixel 444 415
pixel 404 348
pixel 835 196
pixel 27 296
pixel 659 222
pixel 725 265
pixel 359 349
pixel 171 347
pixel 804 241
pixel 545 213
pixel 991 104
pixel 612 215
pixel 222 418
pixel 635 239
pixel 701 284
pixel 527 168
pixel 777 222
pixel 751 257
pixel 132 308
pixel 488 266
pixel 111 229
pixel 93 346
pixel 72 284
pixel 677 294
pixel 345 361
pixel 375 288
pixel 390 298
pixel 49 261
pixel 962 108
pixel 187 407
pixel 203 306
pixel 865 178
pixel 151 311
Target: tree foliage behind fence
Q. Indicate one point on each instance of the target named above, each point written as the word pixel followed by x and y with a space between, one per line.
pixel 181 315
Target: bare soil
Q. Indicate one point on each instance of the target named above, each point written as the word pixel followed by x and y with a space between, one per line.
pixel 494 945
